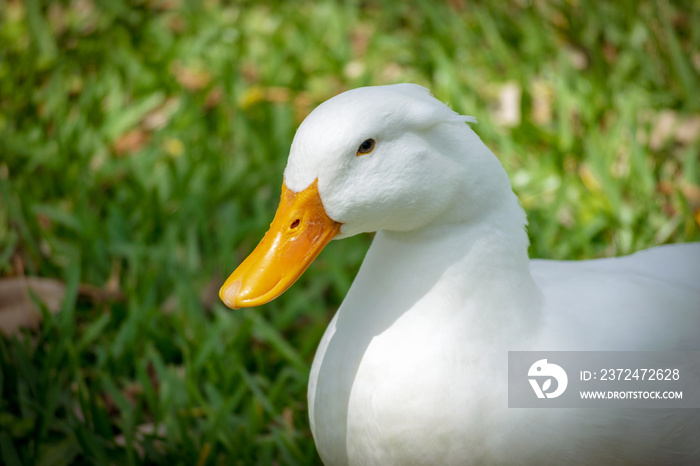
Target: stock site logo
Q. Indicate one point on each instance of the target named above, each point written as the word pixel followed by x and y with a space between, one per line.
pixel 541 374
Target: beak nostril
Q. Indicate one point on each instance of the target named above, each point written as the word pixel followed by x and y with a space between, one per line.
pixel 294 224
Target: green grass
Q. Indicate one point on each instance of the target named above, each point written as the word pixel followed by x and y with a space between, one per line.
pixel 141 152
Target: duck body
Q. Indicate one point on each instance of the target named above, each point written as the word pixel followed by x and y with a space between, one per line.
pixel 413 367
pixel 419 389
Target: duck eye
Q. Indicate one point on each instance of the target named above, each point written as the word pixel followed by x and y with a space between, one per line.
pixel 366 147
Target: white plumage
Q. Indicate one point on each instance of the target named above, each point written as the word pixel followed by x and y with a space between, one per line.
pixel 412 369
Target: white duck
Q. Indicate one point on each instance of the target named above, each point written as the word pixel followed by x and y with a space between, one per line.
pixel 412 368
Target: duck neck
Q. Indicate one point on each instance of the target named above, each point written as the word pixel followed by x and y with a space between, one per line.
pixel 450 268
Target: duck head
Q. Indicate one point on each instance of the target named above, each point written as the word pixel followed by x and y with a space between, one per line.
pixel 370 159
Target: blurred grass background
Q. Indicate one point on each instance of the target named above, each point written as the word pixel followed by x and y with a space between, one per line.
pixel 142 146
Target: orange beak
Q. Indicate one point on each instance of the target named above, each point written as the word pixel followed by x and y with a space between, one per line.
pixel 298 233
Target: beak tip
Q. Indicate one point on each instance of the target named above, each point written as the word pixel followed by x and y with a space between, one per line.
pixel 229 292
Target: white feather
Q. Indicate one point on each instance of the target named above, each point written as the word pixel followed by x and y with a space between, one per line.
pixel 412 368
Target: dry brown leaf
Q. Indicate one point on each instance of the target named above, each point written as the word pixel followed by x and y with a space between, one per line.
pixel 166 4
pixel 458 5
pixel 665 187
pixel 668 125
pixel 250 72
pixel 559 19
pixel 131 141
pixel 18 309
pixel 669 211
pixel 143 431
pixel 214 97
pixel 170 304
pixel 392 71
pixel 692 194
pixel 360 39
pixel 288 418
pixel 132 391
pixel 191 78
pixel 508 111
pixel 177 24
pixel 610 53
pixel 57 16
pixel 663 129
pixel 277 94
pixel 159 117
pixel 84 15
pixel 113 283
pixel 354 69
pixel 688 130
pixel 577 58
